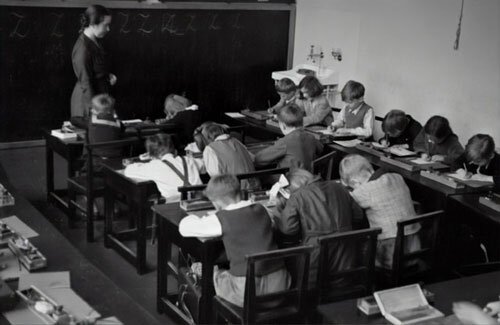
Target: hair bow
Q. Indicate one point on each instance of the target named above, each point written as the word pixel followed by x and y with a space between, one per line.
pixel 279 187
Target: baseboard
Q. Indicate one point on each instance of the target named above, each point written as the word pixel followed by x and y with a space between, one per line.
pixel 22 144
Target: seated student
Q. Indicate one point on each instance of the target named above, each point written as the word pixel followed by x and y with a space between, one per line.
pixel 103 126
pixel 287 90
pixel 480 161
pixel 437 142
pixel 357 116
pixel 317 208
pixel 386 200
pixel 184 115
pixel 166 169
pixel 469 313
pixel 314 102
pixel 246 229
pixel 400 129
pixel 226 155
pixel 297 148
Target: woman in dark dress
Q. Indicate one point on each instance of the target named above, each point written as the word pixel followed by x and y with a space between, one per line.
pixel 89 60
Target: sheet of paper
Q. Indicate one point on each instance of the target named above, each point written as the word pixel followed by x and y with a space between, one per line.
pixel 72 303
pixel 109 321
pixel 13 268
pixel 235 115
pixel 468 181
pixel 377 145
pixel 20 227
pixel 348 143
pixel 421 161
pixel 134 121
pixel 401 152
pixel 22 315
pixel 45 280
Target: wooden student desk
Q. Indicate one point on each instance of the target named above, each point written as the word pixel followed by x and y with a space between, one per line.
pixel 86 280
pixel 479 289
pixel 136 194
pixel 204 250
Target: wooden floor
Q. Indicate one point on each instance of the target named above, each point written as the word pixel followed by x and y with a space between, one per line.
pixel 26 171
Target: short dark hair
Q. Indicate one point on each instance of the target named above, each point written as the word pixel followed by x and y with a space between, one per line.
pixel 395 121
pixel 93 15
pixel 285 85
pixel 352 90
pixel 212 131
pixel 479 147
pixel 103 104
pixel 160 144
pixel 438 126
pixel 312 84
pixel 291 115
pixel 223 188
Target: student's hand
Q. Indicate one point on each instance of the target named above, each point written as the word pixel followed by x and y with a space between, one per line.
pixel 492 308
pixel 437 158
pixel 425 156
pixel 343 131
pixel 332 127
pixel 468 313
pixel 384 142
pixel 462 173
pixel 112 79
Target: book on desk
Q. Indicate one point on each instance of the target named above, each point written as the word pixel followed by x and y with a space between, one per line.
pixel 406 305
pixel 491 200
pixel 257 115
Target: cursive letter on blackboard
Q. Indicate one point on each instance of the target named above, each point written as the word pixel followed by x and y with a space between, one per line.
pixel 16 32
pixel 142 29
pixel 213 21
pixel 124 28
pixel 236 24
pixel 168 23
pixel 55 32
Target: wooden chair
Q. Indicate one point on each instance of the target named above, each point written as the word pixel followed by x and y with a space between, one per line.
pixel 353 256
pixel 323 166
pixel 90 184
pixel 285 305
pixel 416 265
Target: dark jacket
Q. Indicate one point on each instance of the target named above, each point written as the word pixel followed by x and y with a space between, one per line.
pixel 317 209
pixel 449 147
pixel 92 73
pixel 408 135
pixel 296 149
pixel 492 169
pixel 185 123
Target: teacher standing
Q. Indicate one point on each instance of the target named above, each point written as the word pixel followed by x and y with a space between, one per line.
pixel 89 60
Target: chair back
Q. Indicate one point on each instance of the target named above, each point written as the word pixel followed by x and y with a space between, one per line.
pixel 262 176
pixel 323 166
pixel 286 303
pixel 346 265
pixel 414 255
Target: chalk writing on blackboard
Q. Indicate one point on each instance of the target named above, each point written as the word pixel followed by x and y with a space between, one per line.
pixel 167 23
pixel 143 28
pixel 213 22
pixel 18 28
pixel 55 30
pixel 190 25
pixel 236 24
pixel 124 27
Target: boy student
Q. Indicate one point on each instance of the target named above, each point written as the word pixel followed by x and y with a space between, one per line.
pixel 357 116
pixel 226 155
pixel 400 129
pixel 287 90
pixel 386 200
pixel 297 148
pixel 166 169
pixel 316 208
pixel 480 161
pixel 181 112
pixel 437 142
pixel 246 229
pixel 104 126
pixel 314 102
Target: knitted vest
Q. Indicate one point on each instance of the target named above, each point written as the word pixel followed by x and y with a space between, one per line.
pixel 245 231
pixel 353 121
pixel 233 157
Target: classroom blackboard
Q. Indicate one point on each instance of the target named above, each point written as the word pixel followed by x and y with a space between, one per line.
pixel 222 59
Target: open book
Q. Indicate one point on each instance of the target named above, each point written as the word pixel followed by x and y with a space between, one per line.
pixel 406 305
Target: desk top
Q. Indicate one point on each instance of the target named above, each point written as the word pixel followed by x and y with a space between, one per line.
pixel 471 201
pixel 87 281
pixel 479 289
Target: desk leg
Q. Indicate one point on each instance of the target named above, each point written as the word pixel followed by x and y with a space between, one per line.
pixel 164 256
pixel 49 170
pixel 207 285
pixel 109 205
pixel 141 239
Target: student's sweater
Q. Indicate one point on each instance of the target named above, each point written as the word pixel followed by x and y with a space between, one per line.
pixel 317 110
pixel 245 231
pixel 408 135
pixel 449 147
pixel 296 149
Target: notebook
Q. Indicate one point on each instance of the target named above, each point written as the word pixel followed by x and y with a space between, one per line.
pixel 406 305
